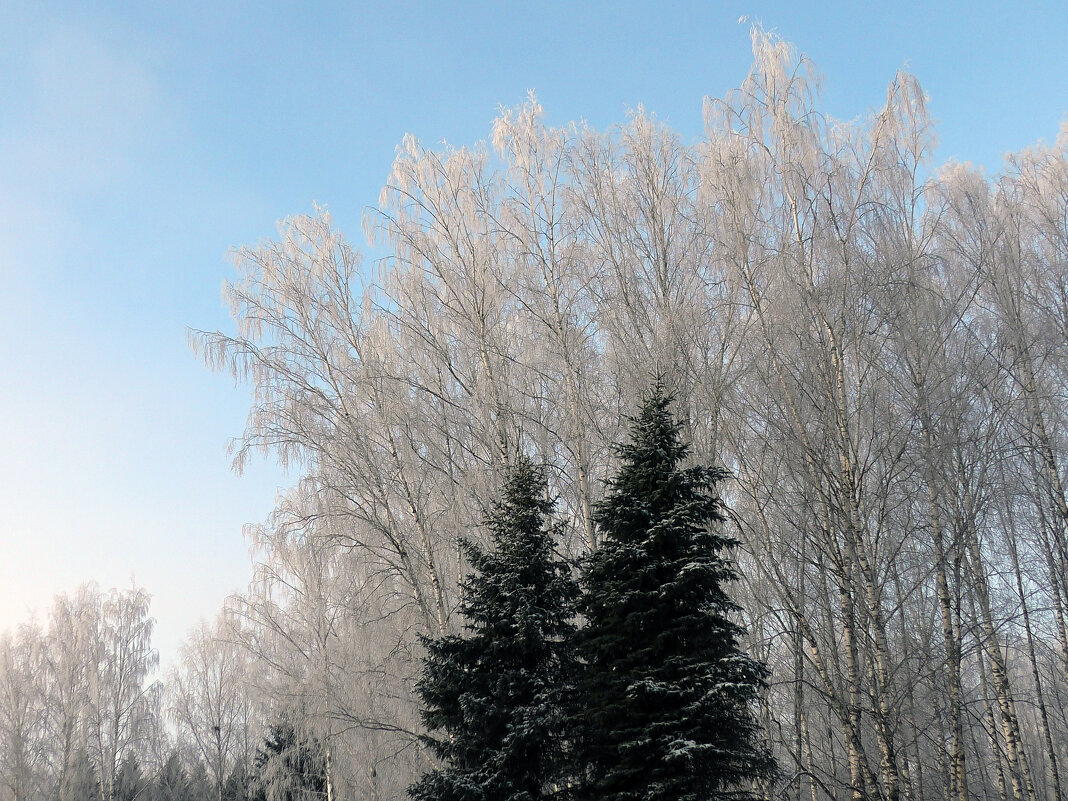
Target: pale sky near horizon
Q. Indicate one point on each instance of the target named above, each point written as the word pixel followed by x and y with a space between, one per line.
pixel 139 141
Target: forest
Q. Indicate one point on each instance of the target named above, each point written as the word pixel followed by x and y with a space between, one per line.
pixel 872 346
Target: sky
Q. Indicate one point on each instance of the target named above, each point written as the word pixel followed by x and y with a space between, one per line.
pixel 141 141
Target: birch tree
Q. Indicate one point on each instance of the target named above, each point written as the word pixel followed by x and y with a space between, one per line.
pixel 119 699
pixel 23 743
pixel 210 704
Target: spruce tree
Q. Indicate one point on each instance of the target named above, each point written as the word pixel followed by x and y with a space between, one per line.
pixel 290 765
pixel 493 696
pixel 666 694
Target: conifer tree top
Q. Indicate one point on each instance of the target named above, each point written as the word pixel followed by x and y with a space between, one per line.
pixel 666 693
pixel 491 697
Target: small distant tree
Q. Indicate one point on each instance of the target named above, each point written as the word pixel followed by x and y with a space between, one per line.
pixel 130 782
pixel 23 745
pixel 172 782
pixel 81 780
pixel 666 694
pixel 291 765
pixel 238 785
pixel 209 702
pixel 493 696
pixel 199 780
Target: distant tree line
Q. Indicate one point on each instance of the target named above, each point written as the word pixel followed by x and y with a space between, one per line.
pixel 82 716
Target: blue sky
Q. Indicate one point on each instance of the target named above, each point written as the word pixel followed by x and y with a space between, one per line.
pixel 139 141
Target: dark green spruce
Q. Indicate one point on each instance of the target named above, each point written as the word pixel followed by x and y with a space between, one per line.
pixel 492 697
pixel 666 696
